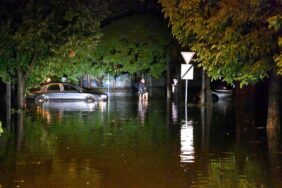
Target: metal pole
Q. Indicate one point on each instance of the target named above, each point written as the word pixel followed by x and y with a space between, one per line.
pixel 186 103
pixel 186 93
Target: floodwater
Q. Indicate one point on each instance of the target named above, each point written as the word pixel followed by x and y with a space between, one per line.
pixel 125 143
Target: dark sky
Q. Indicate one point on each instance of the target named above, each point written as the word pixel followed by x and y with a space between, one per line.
pixel 118 8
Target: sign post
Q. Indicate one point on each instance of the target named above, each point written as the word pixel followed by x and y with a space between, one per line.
pixel 187 71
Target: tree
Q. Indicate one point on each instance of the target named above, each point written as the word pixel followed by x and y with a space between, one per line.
pixel 231 39
pixel 37 36
pixel 275 23
pixel 136 44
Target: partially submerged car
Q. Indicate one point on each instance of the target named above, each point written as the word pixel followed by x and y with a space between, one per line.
pixel 65 91
pixel 223 93
pixel 222 90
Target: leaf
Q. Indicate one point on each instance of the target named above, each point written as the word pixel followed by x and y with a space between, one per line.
pixel 1 128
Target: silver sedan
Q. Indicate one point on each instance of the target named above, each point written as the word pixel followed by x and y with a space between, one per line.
pixel 65 91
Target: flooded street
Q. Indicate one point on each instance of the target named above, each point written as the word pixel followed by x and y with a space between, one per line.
pixel 124 143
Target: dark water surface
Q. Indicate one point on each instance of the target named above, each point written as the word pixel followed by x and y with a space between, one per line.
pixel 129 144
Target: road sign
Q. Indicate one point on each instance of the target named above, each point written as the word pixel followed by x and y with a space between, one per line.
pixel 187 56
pixel 187 71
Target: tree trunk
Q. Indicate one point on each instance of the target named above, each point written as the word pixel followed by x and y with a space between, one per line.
pixel 8 105
pixel 203 88
pixel 168 81
pixel 206 95
pixel 81 81
pixel 273 119
pixel 20 104
pixel 208 90
pixel 88 81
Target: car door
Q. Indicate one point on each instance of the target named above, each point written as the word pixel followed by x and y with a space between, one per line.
pixel 54 92
pixel 72 93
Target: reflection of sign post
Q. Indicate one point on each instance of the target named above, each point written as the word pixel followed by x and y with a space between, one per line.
pixel 187 71
pixel 187 150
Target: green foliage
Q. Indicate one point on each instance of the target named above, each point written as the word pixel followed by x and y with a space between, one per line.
pixel 1 128
pixel 7 64
pixel 275 23
pixel 135 44
pixel 37 37
pixel 231 38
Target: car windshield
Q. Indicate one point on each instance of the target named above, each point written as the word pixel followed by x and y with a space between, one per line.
pixel 70 88
pixel 93 90
pixel 53 87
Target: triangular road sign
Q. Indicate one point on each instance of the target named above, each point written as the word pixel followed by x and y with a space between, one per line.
pixel 187 56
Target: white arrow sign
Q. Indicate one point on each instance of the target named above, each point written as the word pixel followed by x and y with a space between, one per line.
pixel 187 56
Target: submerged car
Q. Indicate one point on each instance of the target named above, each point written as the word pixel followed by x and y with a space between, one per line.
pixel 65 91
pixel 222 90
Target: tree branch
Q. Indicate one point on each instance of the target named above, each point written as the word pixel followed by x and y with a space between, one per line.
pixel 30 67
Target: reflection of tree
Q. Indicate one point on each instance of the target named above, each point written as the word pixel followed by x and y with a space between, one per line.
pixel 206 120
pixel 233 168
pixel 20 129
pixel 227 161
pixel 223 172
pixel 174 112
pixel 273 150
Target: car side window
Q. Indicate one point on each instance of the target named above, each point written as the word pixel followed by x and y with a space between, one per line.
pixel 53 87
pixel 70 88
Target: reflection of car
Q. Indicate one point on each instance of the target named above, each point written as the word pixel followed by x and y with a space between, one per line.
pixel 69 106
pixel 223 93
pixel 65 91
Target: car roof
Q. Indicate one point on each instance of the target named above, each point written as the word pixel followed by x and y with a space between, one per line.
pixel 48 83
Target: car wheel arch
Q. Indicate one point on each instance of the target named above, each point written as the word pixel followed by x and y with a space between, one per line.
pixel 40 99
pixel 90 98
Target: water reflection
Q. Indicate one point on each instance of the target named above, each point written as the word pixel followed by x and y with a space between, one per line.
pixel 59 110
pixel 104 145
pixel 187 154
pixel 174 112
pixel 69 106
pixel 142 110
